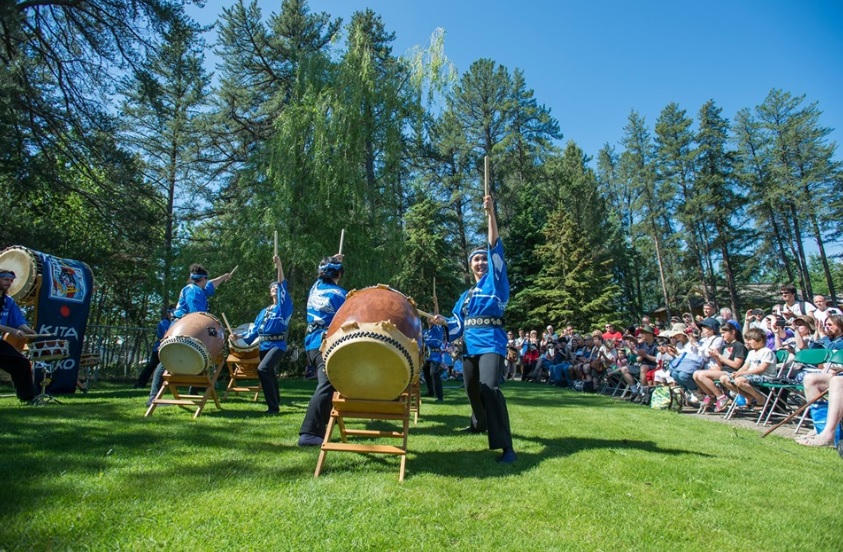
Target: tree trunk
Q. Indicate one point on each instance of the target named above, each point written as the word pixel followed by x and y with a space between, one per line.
pixel 661 271
pixel 804 278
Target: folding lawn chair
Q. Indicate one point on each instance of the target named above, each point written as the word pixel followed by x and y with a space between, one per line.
pixel 784 395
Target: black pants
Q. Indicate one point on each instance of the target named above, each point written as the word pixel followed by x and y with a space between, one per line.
pixel 432 378
pixel 19 367
pixel 488 407
pixel 319 409
pixel 146 373
pixel 268 374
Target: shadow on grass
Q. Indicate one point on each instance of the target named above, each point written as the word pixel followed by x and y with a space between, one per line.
pixel 482 463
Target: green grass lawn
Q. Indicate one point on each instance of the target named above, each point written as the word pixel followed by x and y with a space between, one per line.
pixel 592 474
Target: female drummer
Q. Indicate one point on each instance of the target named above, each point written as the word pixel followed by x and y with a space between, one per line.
pixel 323 301
pixel 478 319
pixel 193 298
pixel 13 323
pixel 433 347
pixel 270 329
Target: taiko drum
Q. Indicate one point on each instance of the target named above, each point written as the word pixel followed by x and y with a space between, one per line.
pixel 373 347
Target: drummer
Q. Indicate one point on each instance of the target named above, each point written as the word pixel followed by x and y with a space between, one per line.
pixel 13 323
pixel 270 329
pixel 323 301
pixel 478 319
pixel 433 347
pixel 193 298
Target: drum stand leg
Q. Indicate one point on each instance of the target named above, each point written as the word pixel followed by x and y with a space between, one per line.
pixel 345 408
pixel 43 397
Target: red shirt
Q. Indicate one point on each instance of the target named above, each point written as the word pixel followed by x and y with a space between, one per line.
pixel 617 336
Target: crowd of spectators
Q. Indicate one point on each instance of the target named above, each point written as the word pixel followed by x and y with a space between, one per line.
pixel 715 359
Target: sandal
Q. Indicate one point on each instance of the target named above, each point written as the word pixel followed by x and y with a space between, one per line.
pixel 813 441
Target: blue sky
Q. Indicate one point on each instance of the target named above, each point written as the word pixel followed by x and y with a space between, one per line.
pixel 593 62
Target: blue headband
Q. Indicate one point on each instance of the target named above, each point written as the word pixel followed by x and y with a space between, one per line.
pixel 198 276
pixel 8 274
pixel 331 266
pixel 478 251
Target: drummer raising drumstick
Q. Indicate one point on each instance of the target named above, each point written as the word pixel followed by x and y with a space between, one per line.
pixel 477 318
pixel 13 323
pixel 270 329
pixel 323 302
pixel 193 298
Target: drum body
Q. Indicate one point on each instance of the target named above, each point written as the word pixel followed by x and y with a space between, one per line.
pixel 193 344
pixel 373 347
pixel 26 264
pixel 240 348
pixel 45 351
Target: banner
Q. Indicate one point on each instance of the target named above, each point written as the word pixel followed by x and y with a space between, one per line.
pixel 63 305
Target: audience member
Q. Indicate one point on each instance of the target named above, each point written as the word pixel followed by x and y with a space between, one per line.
pixel 760 365
pixel 728 358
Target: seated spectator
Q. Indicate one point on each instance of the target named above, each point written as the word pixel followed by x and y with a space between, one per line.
pixel 581 369
pixel 685 361
pixel 612 333
pixel 760 366
pixel 815 385
pixel 547 362
pixel 512 354
pixel 709 339
pixel 822 312
pixel 547 337
pixel 529 355
pixel 729 358
pixel 645 361
pixel 833 338
pixel 790 306
pixel 607 358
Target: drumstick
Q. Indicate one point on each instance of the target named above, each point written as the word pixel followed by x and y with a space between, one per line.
pixel 486 176
pixel 230 274
pixel 36 336
pixel 227 325
pixel 435 300
pixel 426 314
pixel 342 238
pixel 275 251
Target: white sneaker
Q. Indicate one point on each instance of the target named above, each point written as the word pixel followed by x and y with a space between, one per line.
pixel 691 399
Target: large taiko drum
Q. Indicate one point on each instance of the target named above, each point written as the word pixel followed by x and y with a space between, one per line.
pixel 241 349
pixel 193 344
pixel 26 264
pixel 373 347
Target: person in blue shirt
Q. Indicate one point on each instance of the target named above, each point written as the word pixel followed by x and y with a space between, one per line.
pixel 160 330
pixel 13 323
pixel 270 328
pixel 433 347
pixel 192 298
pixel 323 302
pixel 478 318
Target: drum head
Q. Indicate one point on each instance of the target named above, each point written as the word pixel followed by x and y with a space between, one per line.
pixel 183 355
pixel 370 369
pixel 22 263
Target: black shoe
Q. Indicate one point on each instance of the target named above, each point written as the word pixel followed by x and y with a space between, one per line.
pixel 470 429
pixel 310 440
pixel 271 412
pixel 508 456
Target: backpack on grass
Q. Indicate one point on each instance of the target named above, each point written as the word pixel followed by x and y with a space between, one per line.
pixel 666 398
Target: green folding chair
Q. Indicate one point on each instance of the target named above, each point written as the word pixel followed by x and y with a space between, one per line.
pixel 785 397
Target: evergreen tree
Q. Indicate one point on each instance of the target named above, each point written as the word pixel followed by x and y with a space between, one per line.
pixel 163 99
pixel 723 198
pixel 574 285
